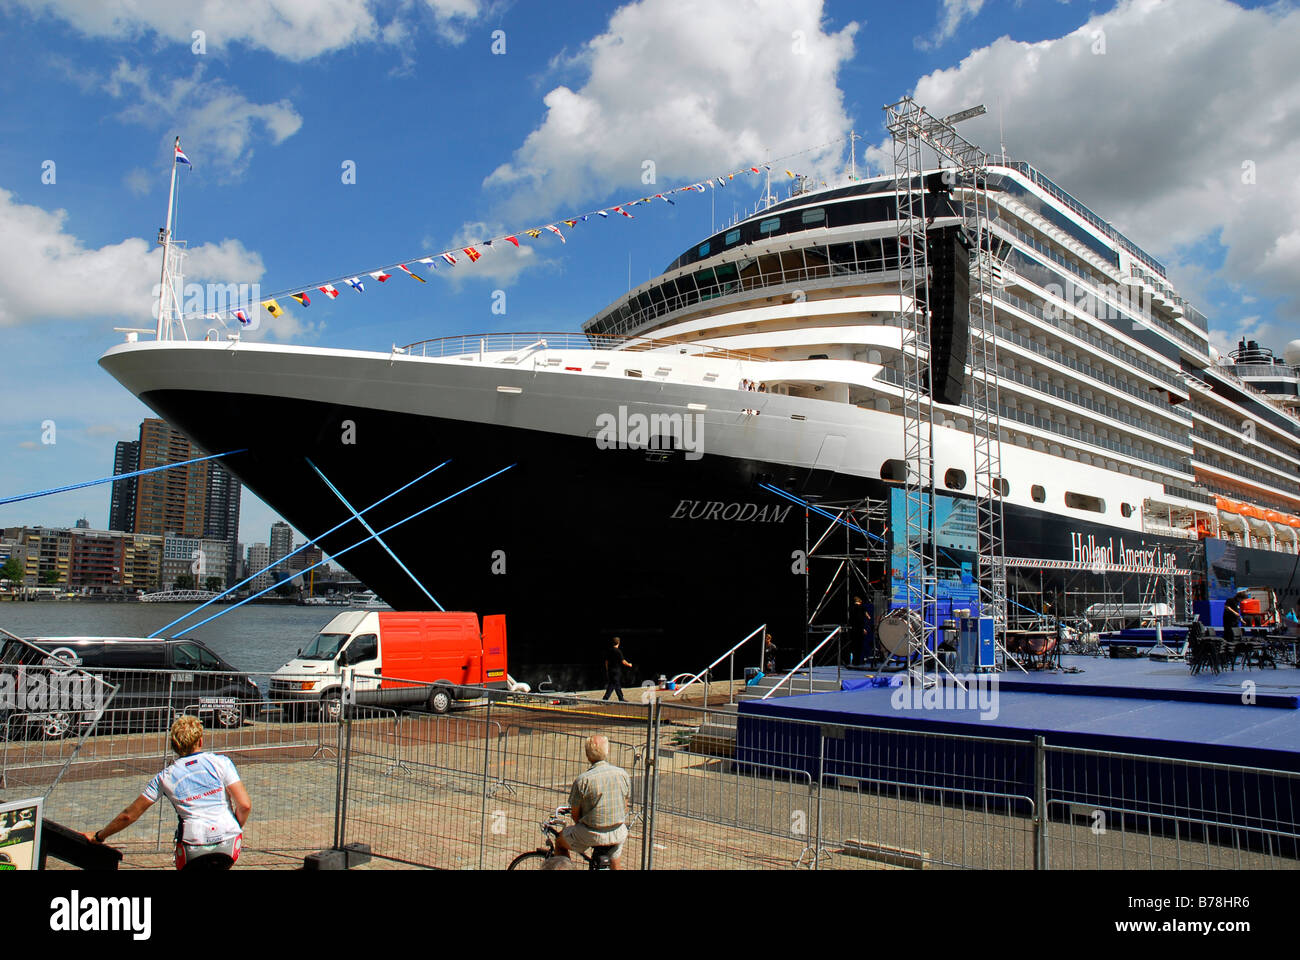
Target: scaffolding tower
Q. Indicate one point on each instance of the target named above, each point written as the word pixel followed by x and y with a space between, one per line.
pixel 920 561
pixel 854 540
pixel 912 128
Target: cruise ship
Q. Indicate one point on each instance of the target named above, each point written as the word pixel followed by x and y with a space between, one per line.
pixel 642 471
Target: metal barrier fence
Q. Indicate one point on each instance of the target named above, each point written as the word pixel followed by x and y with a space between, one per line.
pixel 800 793
pixel 469 789
pixel 711 788
pixel 1119 811
pixel 89 761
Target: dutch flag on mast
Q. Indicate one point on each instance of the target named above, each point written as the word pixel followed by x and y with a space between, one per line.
pixel 180 155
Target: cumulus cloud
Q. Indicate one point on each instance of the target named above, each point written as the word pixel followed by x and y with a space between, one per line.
pixel 500 263
pixel 293 29
pixel 452 17
pixel 1178 121
pixel 225 122
pixel 954 13
pixel 46 273
pixel 692 88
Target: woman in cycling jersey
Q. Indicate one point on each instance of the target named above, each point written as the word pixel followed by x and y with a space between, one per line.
pixel 209 798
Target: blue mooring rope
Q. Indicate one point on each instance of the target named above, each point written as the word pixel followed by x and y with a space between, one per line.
pixel 113 479
pixel 254 576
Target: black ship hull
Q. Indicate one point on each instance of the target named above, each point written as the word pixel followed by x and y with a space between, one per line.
pixel 680 558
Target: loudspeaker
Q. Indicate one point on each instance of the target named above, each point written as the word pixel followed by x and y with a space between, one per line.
pixel 948 253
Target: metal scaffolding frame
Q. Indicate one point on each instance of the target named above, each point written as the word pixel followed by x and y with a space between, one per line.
pixel 912 127
pixel 862 524
pixel 904 120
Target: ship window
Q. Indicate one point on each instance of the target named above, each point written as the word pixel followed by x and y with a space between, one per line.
pixel 733 236
pixel 770 226
pixel 895 470
pixel 955 479
pixel 1080 501
pixel 1001 487
pixel 814 216
pixel 1126 510
pixel 1038 493
pixel 704 250
pixel 633 373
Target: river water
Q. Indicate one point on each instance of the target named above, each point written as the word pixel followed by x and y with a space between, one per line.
pixel 252 637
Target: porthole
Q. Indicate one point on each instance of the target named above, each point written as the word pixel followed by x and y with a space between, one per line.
pixel 955 479
pixel 1038 494
pixel 895 470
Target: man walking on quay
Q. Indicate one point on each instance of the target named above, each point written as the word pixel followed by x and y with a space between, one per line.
pixel 614 664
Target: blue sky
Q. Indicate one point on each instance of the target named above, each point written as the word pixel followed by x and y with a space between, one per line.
pixel 1152 112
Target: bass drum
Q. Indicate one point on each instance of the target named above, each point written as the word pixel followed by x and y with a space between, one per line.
pixel 899 633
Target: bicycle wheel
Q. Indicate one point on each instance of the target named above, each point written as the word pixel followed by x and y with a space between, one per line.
pixel 532 860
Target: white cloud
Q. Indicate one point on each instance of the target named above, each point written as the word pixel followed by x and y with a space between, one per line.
pixel 46 273
pixel 696 89
pixel 288 326
pixel 138 181
pixel 293 29
pixel 1159 131
pixel 500 263
pixel 956 12
pixel 451 17
pixel 216 123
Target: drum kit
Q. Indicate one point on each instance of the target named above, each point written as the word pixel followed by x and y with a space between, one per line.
pixel 899 634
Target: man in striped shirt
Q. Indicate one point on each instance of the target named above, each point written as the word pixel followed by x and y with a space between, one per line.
pixel 598 802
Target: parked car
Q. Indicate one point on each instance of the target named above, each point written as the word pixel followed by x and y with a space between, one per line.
pixel 156 680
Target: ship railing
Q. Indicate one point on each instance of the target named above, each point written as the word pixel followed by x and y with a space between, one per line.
pixel 1111 413
pixel 1248 456
pixel 1201 410
pixel 1132 359
pixel 1164 530
pixel 1007 414
pixel 1252 391
pixel 1005 333
pixel 1259 499
pixel 479 346
pixel 703 675
pixel 1254 476
pixel 1196 496
pixel 632 313
pixel 1145 316
pixel 1264 370
pixel 1032 173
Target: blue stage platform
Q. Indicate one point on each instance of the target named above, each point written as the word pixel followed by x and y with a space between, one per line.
pixel 1140 679
pixel 1135 716
pixel 1160 680
pixel 1255 735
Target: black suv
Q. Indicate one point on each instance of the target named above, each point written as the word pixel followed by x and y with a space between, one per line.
pixel 157 680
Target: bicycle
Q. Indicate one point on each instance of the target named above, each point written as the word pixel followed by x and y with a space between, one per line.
pixel 598 859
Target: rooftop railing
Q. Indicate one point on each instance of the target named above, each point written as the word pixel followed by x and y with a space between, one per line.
pixel 479 346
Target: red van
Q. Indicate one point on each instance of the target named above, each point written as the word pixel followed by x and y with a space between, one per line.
pixel 398 659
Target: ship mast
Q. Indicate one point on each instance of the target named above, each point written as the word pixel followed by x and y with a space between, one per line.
pixel 164 238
